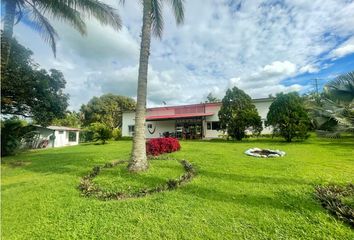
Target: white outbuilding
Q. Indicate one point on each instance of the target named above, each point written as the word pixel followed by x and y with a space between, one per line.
pixel 55 136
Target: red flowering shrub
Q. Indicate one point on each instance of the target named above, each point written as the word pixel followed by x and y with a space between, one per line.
pixel 157 146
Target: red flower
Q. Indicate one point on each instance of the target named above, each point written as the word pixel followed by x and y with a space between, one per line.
pixel 157 146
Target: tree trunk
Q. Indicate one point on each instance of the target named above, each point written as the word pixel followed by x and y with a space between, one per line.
pixel 138 158
pixel 9 21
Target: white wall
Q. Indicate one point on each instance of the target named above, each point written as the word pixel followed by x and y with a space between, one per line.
pixel 44 134
pixel 62 138
pixel 128 119
pixel 158 127
pixel 263 109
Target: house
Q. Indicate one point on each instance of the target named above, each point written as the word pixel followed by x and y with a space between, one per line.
pixel 55 136
pixel 196 121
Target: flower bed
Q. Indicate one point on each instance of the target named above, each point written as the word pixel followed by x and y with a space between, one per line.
pixel 264 153
pixel 89 189
pixel 157 146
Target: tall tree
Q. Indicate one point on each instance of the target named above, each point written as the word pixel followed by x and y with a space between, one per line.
pixel 238 113
pixel 152 22
pixel 107 109
pixel 69 11
pixel 29 91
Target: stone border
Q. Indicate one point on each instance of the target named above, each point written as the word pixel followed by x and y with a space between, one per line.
pixel 89 189
pixel 274 153
pixel 330 198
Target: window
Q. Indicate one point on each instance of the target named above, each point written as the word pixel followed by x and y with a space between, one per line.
pixel 213 125
pixel 149 125
pixel 72 136
pixel 131 128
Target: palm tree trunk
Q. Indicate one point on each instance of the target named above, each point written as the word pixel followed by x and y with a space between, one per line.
pixel 138 158
pixel 9 21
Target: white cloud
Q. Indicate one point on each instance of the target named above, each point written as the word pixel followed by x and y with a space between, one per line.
pixel 309 68
pixel 344 49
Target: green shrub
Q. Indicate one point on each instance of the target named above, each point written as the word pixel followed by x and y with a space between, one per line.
pixel 116 134
pixel 12 132
pixel 86 135
pixel 101 132
pixel 289 117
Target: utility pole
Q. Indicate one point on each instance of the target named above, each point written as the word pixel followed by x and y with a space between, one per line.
pixel 317 93
pixel 316 85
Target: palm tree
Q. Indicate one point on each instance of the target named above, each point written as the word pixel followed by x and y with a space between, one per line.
pixel 341 89
pixel 333 111
pixel 152 21
pixel 69 11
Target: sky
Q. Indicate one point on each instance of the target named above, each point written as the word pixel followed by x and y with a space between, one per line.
pixel 261 47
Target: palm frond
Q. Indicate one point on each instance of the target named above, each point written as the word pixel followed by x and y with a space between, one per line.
pixel 157 18
pixel 341 88
pixel 41 24
pixel 104 13
pixel 19 13
pixel 59 10
pixel 178 10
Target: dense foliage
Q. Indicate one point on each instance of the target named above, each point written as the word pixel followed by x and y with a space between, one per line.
pixel 288 116
pixel 71 119
pixel 101 132
pixel 107 109
pixel 238 113
pixel 157 146
pixel 29 91
pixel 12 132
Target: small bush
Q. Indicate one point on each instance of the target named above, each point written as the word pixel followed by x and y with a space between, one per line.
pixel 157 146
pixel 100 132
pixel 116 134
pixel 86 135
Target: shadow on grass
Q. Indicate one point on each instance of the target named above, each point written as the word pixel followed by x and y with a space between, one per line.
pixel 74 163
pixel 282 200
pixel 253 179
pixel 342 144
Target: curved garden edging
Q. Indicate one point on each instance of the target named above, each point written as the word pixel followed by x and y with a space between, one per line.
pixel 331 196
pixel 89 189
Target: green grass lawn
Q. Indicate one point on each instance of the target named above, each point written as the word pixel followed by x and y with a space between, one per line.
pixel 234 196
